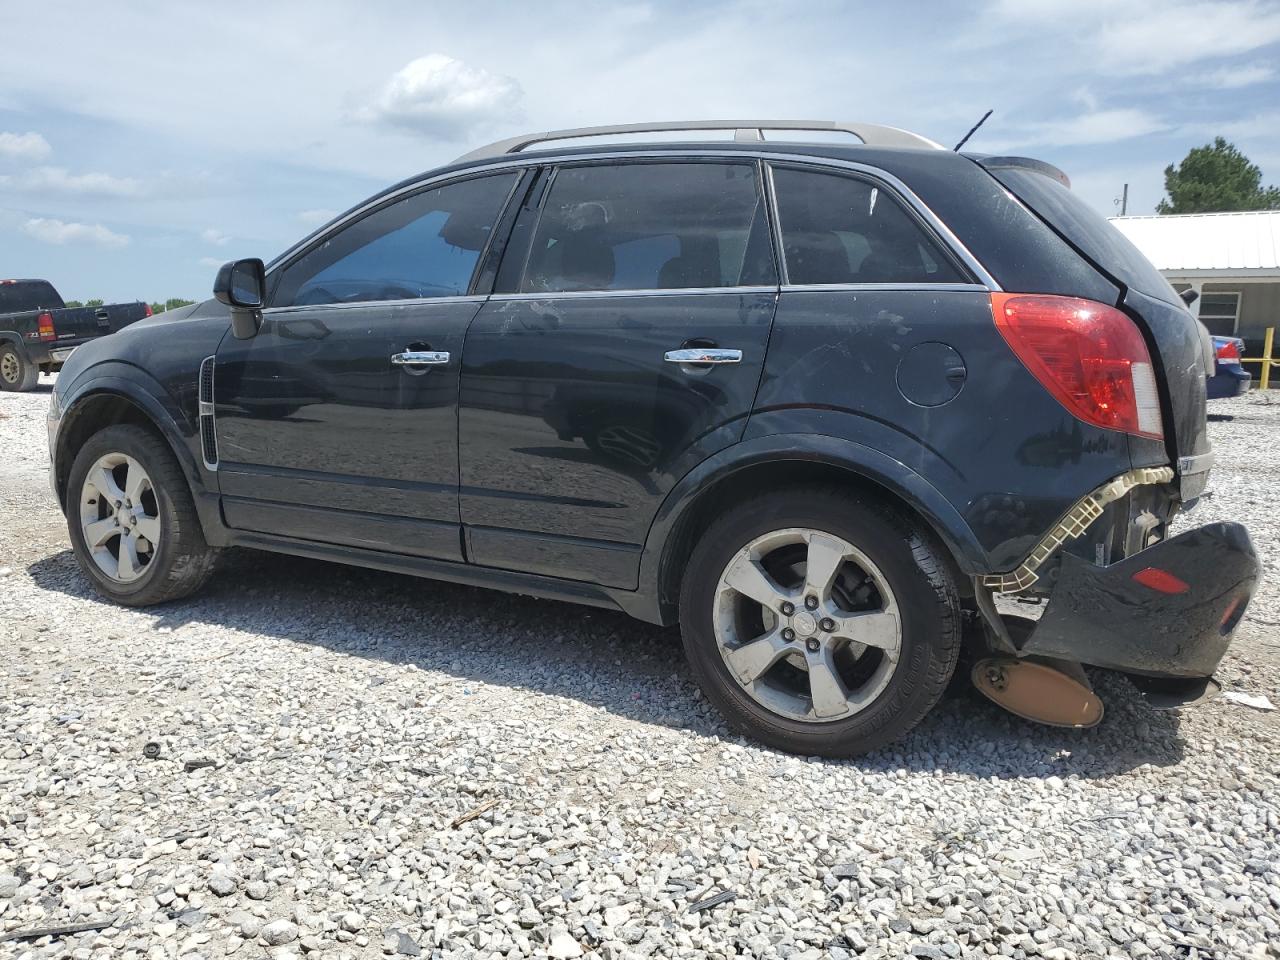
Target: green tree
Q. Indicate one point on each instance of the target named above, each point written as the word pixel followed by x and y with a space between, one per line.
pixel 1216 178
pixel 93 303
pixel 72 303
pixel 173 303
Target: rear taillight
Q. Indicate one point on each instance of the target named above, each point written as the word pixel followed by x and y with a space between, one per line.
pixel 146 311
pixel 1090 356
pixel 1230 351
pixel 45 326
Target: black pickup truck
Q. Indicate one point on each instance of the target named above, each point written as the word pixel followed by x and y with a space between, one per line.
pixel 38 331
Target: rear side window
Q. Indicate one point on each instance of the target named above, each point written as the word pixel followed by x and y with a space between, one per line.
pixel 841 229
pixel 425 245
pixel 1088 231
pixel 18 296
pixel 639 226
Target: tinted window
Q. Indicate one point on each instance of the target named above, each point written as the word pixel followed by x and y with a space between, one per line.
pixel 426 245
pixel 838 229
pixel 642 226
pixel 1087 230
pixel 18 296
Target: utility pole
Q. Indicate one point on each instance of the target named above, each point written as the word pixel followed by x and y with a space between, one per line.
pixel 1124 201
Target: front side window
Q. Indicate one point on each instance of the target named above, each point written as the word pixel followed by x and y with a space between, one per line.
pixel 638 226
pixel 841 229
pixel 426 245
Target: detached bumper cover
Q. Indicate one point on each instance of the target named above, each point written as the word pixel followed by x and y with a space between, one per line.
pixel 1103 617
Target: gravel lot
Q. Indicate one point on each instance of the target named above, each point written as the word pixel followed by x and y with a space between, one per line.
pixel 351 717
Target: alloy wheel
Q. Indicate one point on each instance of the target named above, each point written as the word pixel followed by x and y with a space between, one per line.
pixel 807 625
pixel 120 517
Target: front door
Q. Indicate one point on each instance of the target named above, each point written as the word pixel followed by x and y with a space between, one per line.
pixel 338 421
pixel 578 412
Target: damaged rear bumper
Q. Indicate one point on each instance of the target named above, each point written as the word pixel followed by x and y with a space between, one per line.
pixel 1176 619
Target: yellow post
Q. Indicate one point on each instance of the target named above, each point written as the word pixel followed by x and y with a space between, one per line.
pixel 1266 356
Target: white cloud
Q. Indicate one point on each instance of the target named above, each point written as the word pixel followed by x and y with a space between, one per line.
pixel 59 232
pixel 210 262
pixel 24 146
pixel 1167 35
pixel 1233 78
pixel 59 180
pixel 443 97
pixel 314 218
pixel 215 236
pixel 1100 126
pixel 1130 37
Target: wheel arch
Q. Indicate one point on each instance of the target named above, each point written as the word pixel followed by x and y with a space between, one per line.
pixel 106 401
pixel 770 462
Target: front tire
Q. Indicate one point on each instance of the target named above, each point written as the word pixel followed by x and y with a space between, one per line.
pixel 17 373
pixel 818 622
pixel 132 521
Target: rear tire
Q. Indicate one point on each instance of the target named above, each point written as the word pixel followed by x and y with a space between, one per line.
pixel 132 520
pixel 17 373
pixel 872 638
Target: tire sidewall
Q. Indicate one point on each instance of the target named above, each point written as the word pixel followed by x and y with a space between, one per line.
pixel 145 449
pixel 927 642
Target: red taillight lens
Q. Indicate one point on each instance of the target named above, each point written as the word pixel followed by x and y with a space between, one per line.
pixel 1229 351
pixel 147 311
pixel 45 326
pixel 1090 356
pixel 1162 581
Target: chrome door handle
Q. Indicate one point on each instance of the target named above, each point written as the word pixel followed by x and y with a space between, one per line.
pixel 416 358
pixel 703 355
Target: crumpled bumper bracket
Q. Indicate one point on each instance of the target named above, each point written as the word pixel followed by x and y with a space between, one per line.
pixel 1075 523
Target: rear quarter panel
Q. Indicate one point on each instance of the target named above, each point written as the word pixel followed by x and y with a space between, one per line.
pixel 1002 451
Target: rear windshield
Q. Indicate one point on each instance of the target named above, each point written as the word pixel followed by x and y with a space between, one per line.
pixel 23 295
pixel 1097 239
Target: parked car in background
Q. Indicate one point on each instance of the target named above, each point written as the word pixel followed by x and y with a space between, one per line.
pixel 820 405
pixel 38 330
pixel 1229 377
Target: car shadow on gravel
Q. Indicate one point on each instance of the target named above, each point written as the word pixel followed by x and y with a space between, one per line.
pixel 610 661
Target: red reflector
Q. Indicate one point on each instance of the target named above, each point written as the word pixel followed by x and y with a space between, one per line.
pixel 45 326
pixel 147 311
pixel 1162 581
pixel 1089 356
pixel 1229 351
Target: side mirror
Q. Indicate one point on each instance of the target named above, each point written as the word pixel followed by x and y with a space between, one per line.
pixel 242 285
pixel 1188 296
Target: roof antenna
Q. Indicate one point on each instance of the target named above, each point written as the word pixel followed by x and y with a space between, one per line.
pixel 972 131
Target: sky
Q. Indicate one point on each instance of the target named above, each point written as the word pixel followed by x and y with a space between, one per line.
pixel 144 143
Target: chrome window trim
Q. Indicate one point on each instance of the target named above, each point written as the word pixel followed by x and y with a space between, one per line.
pixel 854 287
pixel 511 162
pixel 356 304
pixel 639 292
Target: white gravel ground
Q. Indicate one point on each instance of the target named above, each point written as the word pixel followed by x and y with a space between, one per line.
pixel 351 716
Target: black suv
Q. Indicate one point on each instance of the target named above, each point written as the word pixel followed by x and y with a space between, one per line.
pixel 827 406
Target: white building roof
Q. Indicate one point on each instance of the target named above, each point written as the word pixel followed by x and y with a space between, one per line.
pixel 1208 244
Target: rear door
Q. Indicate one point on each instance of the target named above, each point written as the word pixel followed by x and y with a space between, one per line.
pixel 576 414
pixel 338 421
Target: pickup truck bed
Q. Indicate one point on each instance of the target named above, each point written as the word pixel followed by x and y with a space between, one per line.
pixel 38 330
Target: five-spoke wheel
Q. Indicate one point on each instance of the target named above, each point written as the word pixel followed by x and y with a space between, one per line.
pixel 119 517
pixel 817 622
pixel 807 624
pixel 132 520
